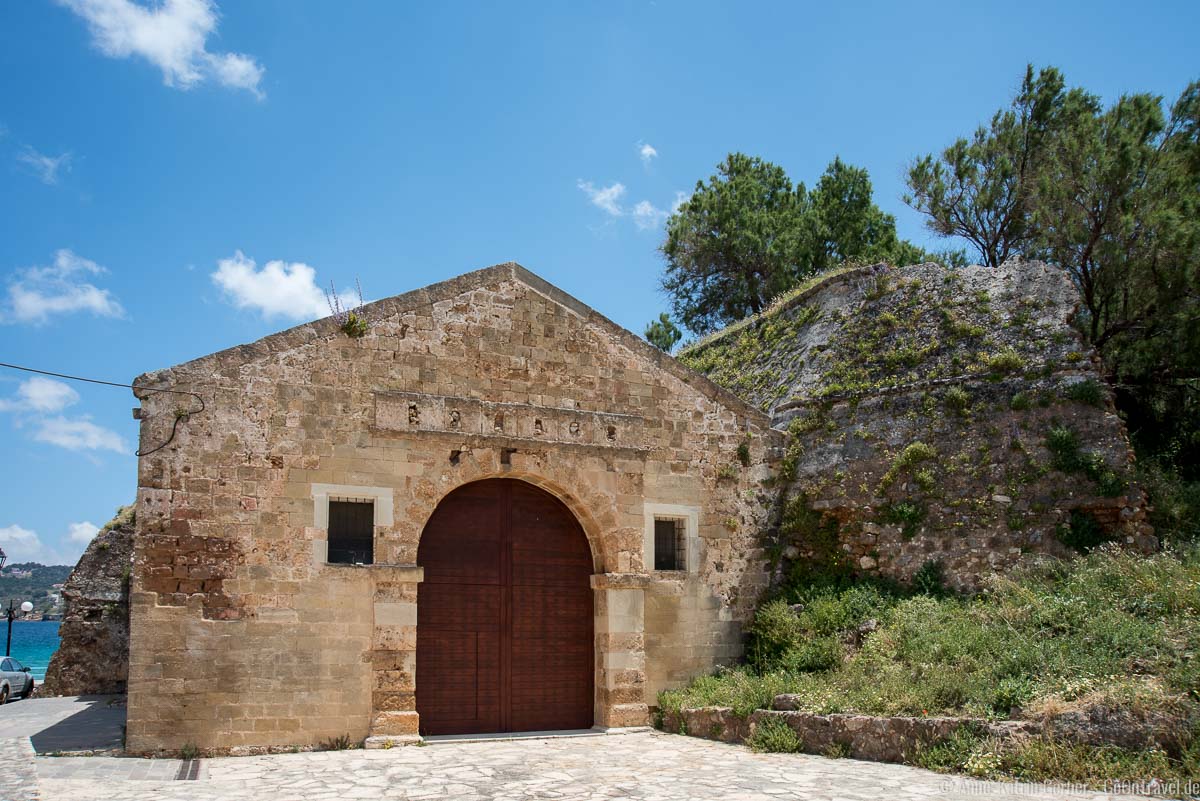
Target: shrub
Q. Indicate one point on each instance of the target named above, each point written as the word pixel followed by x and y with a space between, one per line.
pixel 1067 456
pixel 189 751
pixel 912 455
pixel 740 689
pixel 1089 392
pixel 1020 402
pixel 957 399
pixel 930 579
pixel 773 632
pixel 773 735
pixel 906 514
pixel 811 655
pixel 1174 502
pixel 743 453
pixel 1004 361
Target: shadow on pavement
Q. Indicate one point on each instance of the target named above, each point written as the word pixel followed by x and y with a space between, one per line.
pixel 98 726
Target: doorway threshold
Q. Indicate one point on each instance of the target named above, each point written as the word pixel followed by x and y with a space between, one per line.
pixel 513 735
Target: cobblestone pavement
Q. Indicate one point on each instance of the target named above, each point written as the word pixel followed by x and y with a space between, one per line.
pixel 647 766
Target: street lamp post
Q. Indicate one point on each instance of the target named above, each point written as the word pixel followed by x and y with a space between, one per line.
pixel 26 607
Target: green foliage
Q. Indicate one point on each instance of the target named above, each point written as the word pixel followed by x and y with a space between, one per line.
pixel 1112 196
pixel 1109 628
pixel 743 452
pixel 1067 456
pixel 355 325
pixel 1082 532
pixel 912 455
pixel 1041 759
pixel 1020 402
pixel 663 333
pixel 774 736
pixel 957 399
pixel 930 579
pixel 189 751
pixel 1174 501
pixel 1004 361
pixel 747 235
pixel 740 689
pixel 772 633
pixel 1088 391
pixel 727 472
pixel 980 188
pixel 907 514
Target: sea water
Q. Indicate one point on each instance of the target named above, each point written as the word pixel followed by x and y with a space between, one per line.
pixel 33 643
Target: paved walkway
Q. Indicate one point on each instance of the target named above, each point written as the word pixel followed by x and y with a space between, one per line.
pixel 70 723
pixel 648 766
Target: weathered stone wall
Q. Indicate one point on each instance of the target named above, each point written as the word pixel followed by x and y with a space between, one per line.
pixel 952 416
pixel 899 738
pixel 244 638
pixel 93 650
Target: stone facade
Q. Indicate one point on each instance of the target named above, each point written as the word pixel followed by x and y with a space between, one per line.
pixel 244 638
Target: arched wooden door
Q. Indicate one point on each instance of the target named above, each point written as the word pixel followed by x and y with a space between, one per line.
pixel 504 615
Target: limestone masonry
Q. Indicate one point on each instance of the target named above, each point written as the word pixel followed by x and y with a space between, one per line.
pixel 249 630
pixel 244 636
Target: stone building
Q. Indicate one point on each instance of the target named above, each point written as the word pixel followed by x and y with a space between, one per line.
pixel 496 510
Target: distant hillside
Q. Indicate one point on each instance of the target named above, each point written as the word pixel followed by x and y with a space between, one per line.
pixel 36 587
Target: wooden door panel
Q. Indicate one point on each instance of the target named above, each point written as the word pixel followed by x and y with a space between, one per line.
pixel 504 634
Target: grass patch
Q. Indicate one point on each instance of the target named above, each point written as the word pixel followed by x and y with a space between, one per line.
pixel 1110 625
pixel 774 736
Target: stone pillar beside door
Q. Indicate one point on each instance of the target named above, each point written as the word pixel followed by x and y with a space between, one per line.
pixel 620 611
pixel 394 716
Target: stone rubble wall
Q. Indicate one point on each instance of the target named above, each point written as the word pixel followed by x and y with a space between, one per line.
pixel 93 651
pixel 920 405
pixel 898 739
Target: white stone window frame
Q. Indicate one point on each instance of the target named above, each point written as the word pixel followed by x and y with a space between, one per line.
pixel 690 515
pixel 322 494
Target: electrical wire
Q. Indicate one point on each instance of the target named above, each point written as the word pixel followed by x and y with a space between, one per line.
pixel 174 425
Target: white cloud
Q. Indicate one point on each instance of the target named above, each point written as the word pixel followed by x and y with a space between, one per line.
pixel 279 289
pixel 46 168
pixel 607 197
pixel 172 36
pixel 78 434
pixel 39 401
pixel 40 395
pixel 646 215
pixel 646 152
pixel 19 543
pixel 82 533
pixel 39 292
pixel 23 545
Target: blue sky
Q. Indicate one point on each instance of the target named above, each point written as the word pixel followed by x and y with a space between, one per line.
pixel 177 178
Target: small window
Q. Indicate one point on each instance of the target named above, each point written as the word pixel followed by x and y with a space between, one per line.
pixel 7 666
pixel 351 532
pixel 670 544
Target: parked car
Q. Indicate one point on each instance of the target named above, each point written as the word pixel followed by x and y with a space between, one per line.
pixel 14 680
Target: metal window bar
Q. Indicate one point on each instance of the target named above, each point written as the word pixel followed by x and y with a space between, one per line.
pixel 351 531
pixel 670 544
